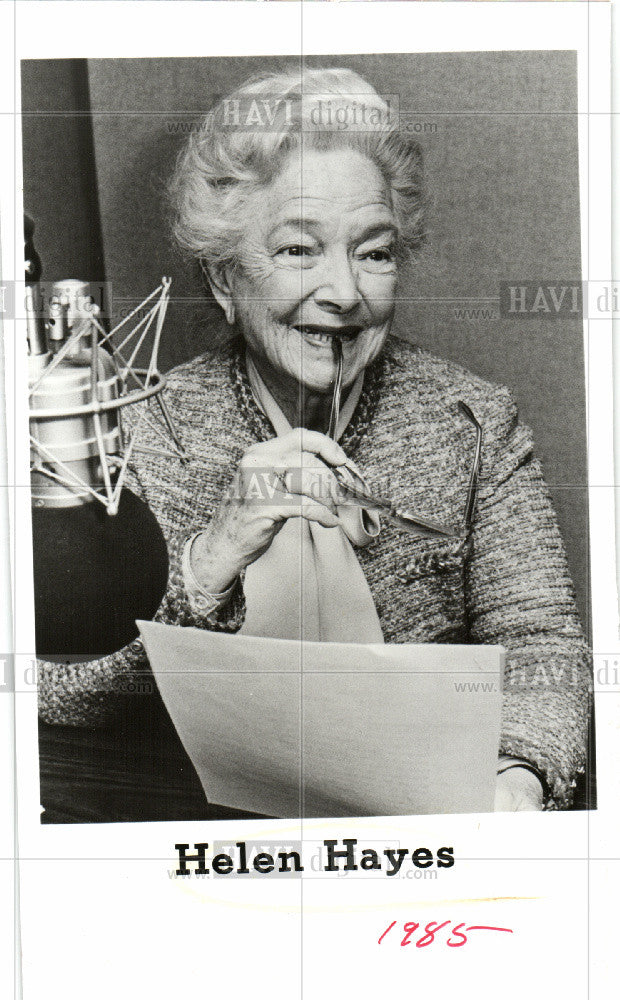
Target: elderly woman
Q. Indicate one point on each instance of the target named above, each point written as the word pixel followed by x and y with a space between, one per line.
pixel 302 228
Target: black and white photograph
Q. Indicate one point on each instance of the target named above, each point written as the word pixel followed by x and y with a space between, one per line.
pixel 352 413
pixel 313 666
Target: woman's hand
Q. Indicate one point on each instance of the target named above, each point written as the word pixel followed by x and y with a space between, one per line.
pixel 284 477
pixel 518 790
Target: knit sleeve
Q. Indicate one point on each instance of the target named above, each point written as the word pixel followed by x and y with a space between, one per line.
pixel 520 595
pixel 178 609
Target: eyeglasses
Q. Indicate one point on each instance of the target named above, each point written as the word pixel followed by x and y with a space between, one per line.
pixel 412 523
pixel 474 475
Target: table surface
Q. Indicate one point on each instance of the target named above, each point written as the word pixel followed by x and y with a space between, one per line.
pixel 135 770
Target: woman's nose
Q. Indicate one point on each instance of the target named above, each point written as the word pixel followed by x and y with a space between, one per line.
pixel 338 291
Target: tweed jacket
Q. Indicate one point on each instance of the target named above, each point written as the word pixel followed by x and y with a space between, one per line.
pixel 504 582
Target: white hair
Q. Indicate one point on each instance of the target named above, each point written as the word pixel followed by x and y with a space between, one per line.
pixel 242 143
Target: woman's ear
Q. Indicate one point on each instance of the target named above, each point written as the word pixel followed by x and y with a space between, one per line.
pixel 219 279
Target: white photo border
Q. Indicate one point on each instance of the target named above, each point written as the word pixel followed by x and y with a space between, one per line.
pixel 529 869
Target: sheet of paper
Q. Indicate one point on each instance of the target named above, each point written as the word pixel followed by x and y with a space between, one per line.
pixel 331 729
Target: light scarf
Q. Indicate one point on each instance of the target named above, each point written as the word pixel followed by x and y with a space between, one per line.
pixel 309 584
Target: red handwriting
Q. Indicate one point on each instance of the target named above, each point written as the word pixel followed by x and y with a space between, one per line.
pixel 455 938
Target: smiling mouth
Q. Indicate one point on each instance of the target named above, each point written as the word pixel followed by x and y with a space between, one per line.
pixel 325 334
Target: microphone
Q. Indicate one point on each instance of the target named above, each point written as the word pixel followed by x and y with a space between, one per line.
pixel 100 558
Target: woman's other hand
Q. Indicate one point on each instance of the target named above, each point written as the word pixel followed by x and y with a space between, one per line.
pixel 518 790
pixel 287 476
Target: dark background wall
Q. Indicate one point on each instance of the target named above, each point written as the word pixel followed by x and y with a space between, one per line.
pixel 499 132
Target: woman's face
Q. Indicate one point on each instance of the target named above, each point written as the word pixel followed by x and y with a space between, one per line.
pixel 317 259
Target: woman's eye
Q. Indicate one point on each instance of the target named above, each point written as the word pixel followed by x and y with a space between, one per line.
pixel 296 250
pixel 383 254
pixel 379 260
pixel 297 254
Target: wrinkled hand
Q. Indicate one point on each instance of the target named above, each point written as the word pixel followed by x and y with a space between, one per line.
pixel 518 790
pixel 287 476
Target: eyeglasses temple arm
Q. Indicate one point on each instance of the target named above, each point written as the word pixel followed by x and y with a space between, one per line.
pixel 332 427
pixel 472 488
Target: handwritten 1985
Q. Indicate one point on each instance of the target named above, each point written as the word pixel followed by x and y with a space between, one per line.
pixel 457 937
